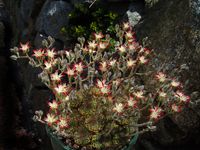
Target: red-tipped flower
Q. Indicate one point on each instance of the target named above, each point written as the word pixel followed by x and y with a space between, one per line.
pixel 53 105
pixel 182 97
pixel 98 35
pixel 25 47
pixel 50 119
pixel 161 77
pixel 131 102
pixel 79 67
pixel 38 53
pixel 143 60
pixel 175 83
pixel 70 72
pixel 63 123
pixel 56 77
pixel 156 113
pixel 104 88
pixel 61 88
pixel 176 108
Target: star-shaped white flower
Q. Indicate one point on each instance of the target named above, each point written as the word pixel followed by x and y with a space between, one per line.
pixel 122 49
pixel 79 67
pixel 98 36
pixel 105 90
pixel 61 88
pixel 113 62
pixel 92 44
pixel 25 47
pixel 175 108
pixel 131 63
pixel 50 119
pixel 63 123
pixel 139 94
pixel 103 45
pixel 162 94
pixel 175 83
pixel 182 97
pixel 155 112
pixel 100 83
pixel 161 77
pixel 48 65
pixel 56 77
pixel 51 53
pixel 126 25
pixel 129 34
pixel 53 105
pixel 70 72
pixel 131 102
pixel 38 53
pixel 143 60
pixel 118 108
pixel 66 98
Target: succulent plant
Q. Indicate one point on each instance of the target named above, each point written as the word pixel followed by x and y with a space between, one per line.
pixel 99 98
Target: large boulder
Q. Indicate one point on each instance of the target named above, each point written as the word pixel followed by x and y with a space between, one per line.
pixel 173 31
pixel 53 16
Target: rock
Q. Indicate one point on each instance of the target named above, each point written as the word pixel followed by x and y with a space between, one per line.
pixel 4 29
pixel 151 3
pixel 2 44
pixel 53 16
pixel 187 122
pixel 8 98
pixel 195 5
pixel 80 1
pixel 25 12
pixel 134 13
pixel 173 31
pixel 26 9
pixel 3 13
pixel 134 17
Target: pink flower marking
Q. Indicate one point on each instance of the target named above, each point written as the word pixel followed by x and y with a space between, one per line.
pixel 25 47
pixel 98 35
pixel 161 77
pixel 38 53
pixel 53 105
pixel 156 113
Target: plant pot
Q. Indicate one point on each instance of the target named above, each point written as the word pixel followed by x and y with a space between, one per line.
pixel 57 144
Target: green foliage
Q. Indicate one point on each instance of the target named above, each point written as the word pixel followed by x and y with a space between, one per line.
pixel 85 20
pixel 95 126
